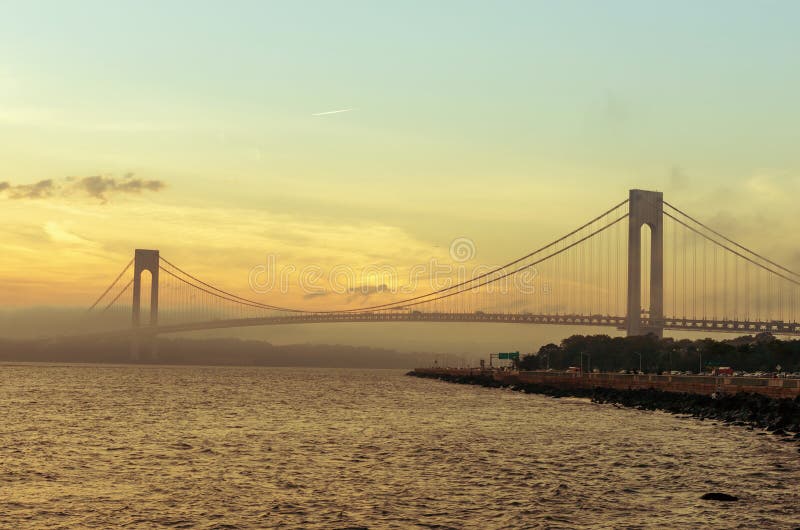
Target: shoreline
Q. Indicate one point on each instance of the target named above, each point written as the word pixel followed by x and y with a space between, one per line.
pixel 236 363
pixel 778 416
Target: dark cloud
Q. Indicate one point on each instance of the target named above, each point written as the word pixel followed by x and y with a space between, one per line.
pixel 368 290
pixel 100 187
pixel 38 190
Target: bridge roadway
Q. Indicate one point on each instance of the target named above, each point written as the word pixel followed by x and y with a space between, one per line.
pixel 719 326
pixel 416 316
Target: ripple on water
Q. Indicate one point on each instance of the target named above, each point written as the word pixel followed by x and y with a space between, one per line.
pixel 198 447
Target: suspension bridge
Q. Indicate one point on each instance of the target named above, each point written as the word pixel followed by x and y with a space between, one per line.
pixel 642 266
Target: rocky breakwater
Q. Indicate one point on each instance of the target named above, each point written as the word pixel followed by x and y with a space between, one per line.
pixel 781 417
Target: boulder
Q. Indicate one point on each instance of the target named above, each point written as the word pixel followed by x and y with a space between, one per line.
pixel 717 496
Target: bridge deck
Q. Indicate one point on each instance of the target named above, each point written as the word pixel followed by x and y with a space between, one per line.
pixel 719 326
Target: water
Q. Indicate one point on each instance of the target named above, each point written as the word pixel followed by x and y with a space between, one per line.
pixel 197 447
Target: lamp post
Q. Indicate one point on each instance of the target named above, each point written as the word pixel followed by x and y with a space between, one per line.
pixel 640 360
pixel 588 361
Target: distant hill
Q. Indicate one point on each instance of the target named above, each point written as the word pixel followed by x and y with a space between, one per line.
pixel 223 352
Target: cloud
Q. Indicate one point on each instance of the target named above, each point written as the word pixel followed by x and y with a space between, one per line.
pixel 38 190
pixel 100 187
pixel 677 179
pixel 367 290
pixel 59 234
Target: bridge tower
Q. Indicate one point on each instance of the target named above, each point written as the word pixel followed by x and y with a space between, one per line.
pixel 144 260
pixel 646 208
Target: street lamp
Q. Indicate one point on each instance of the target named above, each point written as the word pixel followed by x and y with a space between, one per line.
pixel 640 360
pixel 588 364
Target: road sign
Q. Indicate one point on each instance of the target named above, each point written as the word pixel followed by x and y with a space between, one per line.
pixel 509 355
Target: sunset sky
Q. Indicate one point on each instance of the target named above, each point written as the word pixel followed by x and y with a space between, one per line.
pixel 205 129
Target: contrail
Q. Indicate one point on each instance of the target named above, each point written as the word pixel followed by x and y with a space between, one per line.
pixel 332 112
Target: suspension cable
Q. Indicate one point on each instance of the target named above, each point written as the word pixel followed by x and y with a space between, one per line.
pixel 128 266
pixel 729 240
pixel 231 295
pixel 503 267
pixel 792 280
pixel 260 306
pixel 404 304
pixel 106 308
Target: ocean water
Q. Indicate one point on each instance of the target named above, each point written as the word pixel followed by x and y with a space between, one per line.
pixel 85 446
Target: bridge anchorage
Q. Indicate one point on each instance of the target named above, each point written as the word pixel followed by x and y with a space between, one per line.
pixel 668 272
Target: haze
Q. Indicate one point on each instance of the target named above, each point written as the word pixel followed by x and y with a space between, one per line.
pixel 217 134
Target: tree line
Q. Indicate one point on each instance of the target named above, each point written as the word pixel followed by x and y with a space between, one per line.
pixel 762 352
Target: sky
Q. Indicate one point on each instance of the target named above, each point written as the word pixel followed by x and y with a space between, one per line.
pixel 207 130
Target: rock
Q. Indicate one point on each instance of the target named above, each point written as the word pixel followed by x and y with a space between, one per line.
pixel 750 411
pixel 717 496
